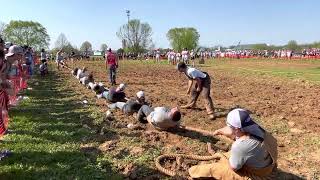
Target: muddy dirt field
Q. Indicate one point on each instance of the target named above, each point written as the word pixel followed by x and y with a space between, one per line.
pixel 290 109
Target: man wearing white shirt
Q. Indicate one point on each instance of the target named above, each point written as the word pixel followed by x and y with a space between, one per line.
pixel 185 56
pixel 172 57
pixel 178 55
pixel 161 118
pixel 158 56
pixel 81 73
pixel 87 79
pixel 203 85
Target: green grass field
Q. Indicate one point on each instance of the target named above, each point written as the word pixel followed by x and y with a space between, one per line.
pixel 303 69
pixel 47 135
pixel 49 128
pixel 308 70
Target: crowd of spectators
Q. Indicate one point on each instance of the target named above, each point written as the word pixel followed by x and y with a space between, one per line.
pixel 17 65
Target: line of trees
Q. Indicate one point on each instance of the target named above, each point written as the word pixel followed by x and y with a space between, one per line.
pixel 136 37
pixel 291 45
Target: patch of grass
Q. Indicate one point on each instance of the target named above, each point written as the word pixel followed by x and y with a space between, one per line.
pixel 47 134
pixel 298 69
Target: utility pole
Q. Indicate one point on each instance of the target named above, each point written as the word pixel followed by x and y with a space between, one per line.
pixel 128 15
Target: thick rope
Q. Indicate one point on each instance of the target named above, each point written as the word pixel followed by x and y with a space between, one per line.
pixel 208 133
pixel 171 173
pixel 177 156
pixel 214 156
pixel 193 157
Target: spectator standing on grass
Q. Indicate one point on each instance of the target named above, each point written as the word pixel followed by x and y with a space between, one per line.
pixel 111 66
pixel 185 56
pixel 158 56
pixel 43 56
pixel 3 94
pixel 29 60
pixel 59 58
pixel 192 57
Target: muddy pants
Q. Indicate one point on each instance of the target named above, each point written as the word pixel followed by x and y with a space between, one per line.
pixel 221 169
pixel 127 108
pixel 112 74
pixel 143 112
pixel 218 170
pixel 206 86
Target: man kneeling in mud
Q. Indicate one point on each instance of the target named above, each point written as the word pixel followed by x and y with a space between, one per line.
pixel 253 153
pixel 161 118
pixel 132 105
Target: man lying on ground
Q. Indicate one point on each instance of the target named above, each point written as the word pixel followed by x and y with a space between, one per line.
pixel 253 153
pixel 81 73
pixel 113 95
pixel 91 85
pixel 87 79
pixel 162 118
pixel 132 105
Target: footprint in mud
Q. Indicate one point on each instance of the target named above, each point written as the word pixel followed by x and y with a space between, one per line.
pixel 153 136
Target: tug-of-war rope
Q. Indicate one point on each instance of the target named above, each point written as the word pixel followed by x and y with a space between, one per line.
pixel 214 155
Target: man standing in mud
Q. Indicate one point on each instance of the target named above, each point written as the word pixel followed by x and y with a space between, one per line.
pixel 112 65
pixel 202 85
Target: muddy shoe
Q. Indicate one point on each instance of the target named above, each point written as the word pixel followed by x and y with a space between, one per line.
pixel 188 106
pixel 212 117
pixel 221 114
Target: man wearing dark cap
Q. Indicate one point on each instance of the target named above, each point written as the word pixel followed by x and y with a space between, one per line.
pixel 253 153
pixel 202 85
pixel 112 65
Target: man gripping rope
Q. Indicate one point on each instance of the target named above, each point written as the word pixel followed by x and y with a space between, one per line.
pixel 161 118
pixel 132 105
pixel 253 153
pixel 202 85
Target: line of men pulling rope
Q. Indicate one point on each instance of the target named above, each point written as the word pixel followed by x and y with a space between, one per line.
pixel 253 153
pixel 160 117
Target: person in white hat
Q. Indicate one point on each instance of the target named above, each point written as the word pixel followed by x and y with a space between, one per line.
pixel 59 58
pixel 253 152
pixel 15 53
pixel 132 105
